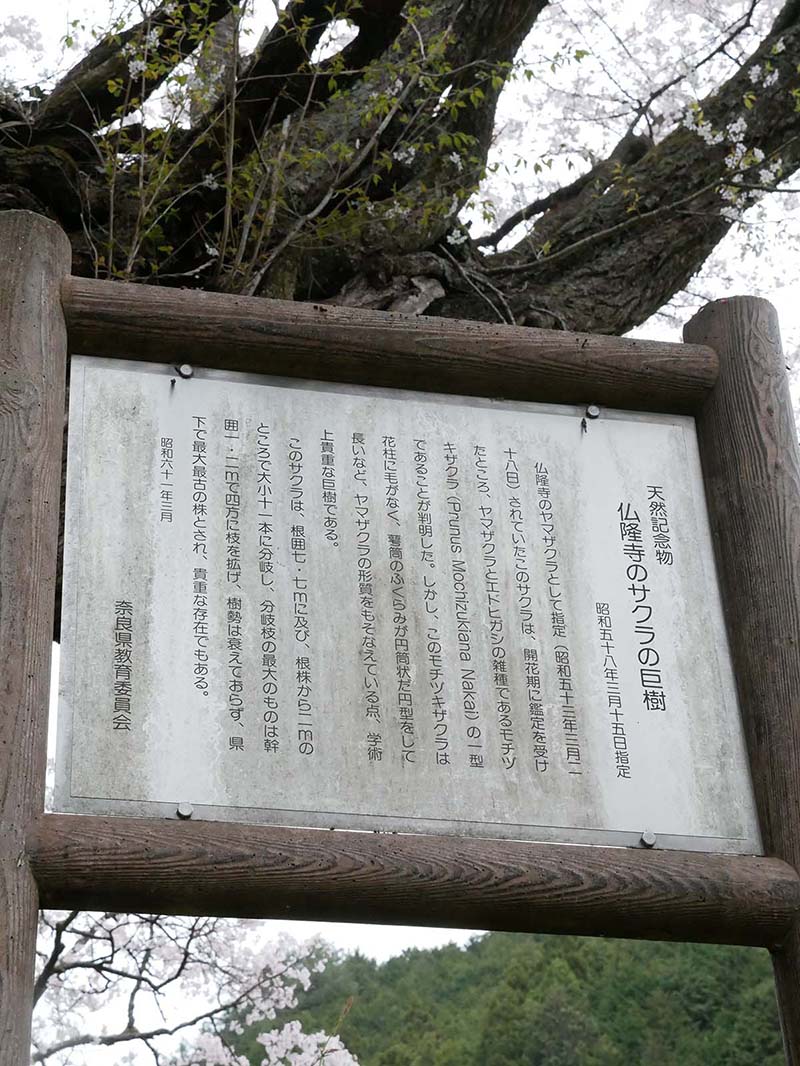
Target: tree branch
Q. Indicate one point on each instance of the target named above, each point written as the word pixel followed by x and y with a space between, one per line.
pixel 131 1033
pixel 629 150
pixel 624 254
pixel 467 46
pixel 343 178
pixel 279 74
pixel 543 264
pixel 51 963
pixel 84 101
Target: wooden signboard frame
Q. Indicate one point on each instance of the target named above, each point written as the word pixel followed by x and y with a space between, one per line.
pixel 730 375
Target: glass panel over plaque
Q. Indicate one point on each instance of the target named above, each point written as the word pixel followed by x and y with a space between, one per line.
pixel 326 605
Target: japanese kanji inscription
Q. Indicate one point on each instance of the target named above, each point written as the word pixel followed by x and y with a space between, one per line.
pixel 347 607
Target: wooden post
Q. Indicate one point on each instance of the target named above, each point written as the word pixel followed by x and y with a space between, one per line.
pixel 748 446
pixel 34 258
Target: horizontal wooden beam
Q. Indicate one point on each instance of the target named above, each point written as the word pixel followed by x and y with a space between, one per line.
pixel 217 868
pixel 331 343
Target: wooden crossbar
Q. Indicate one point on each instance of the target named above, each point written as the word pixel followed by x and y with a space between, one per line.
pixel 264 871
pixel 330 343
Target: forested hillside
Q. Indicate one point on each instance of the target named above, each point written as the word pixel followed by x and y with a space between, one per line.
pixel 515 1000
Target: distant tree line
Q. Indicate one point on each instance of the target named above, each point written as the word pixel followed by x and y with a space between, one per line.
pixel 516 1000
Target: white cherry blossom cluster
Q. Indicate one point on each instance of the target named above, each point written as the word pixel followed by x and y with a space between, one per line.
pixel 136 51
pixel 771 174
pixel 395 210
pixel 290 1046
pixel 210 1048
pixel 730 210
pixel 738 160
pixel 766 75
pixel 736 198
pixel 405 153
pixel 224 979
pixel 704 130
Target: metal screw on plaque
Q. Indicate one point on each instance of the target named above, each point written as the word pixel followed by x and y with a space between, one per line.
pixel 592 411
pixel 185 370
pixel 648 839
pixel 185 810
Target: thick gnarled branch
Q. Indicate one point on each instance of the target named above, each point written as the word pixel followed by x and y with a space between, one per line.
pixel 610 265
pixel 92 93
pixel 629 150
pixel 429 159
pixel 280 80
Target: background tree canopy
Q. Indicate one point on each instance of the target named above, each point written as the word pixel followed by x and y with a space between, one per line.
pixel 339 157
pixel 511 1000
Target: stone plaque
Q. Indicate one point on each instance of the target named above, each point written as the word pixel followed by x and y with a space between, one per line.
pixel 327 605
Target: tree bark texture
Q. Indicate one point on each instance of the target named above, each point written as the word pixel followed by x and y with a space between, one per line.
pixel 124 864
pixel 751 466
pixel 331 203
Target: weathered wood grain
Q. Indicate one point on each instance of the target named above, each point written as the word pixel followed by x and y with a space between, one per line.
pixel 263 871
pixel 377 348
pixel 34 257
pixel 748 447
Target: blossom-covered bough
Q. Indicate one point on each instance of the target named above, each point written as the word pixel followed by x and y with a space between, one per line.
pixel 339 157
pixel 175 991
